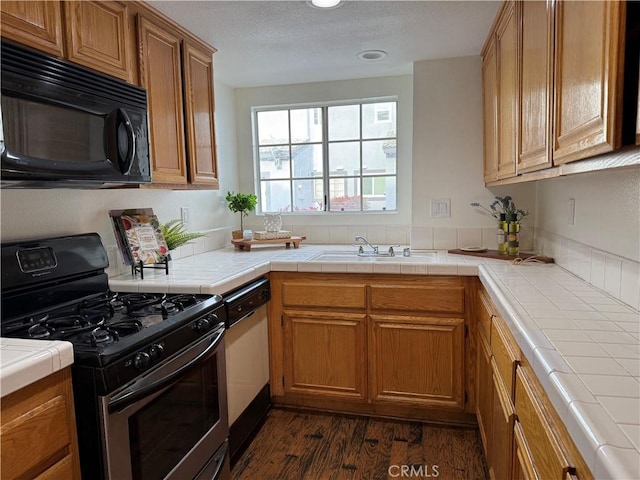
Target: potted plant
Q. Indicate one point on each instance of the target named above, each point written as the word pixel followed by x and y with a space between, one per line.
pixel 175 234
pixel 242 203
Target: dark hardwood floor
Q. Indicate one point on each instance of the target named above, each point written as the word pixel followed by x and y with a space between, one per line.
pixel 300 445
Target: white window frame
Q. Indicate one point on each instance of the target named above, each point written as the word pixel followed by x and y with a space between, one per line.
pixel 326 178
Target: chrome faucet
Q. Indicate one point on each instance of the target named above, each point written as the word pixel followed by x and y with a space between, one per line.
pixel 373 247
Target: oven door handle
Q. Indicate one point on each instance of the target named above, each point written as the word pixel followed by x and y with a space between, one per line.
pixel 133 394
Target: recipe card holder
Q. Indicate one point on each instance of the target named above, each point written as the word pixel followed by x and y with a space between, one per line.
pixel 139 267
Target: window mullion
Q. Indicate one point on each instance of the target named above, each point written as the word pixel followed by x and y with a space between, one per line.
pixel 361 165
pixel 325 157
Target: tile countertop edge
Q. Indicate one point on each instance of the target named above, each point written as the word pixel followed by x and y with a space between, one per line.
pixel 23 362
pixel 546 361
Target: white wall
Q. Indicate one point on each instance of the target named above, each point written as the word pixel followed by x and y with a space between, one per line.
pixel 448 158
pixel 30 213
pixel 320 227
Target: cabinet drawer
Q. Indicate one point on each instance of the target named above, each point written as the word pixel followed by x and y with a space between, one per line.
pixel 485 314
pixel 505 352
pixel 549 461
pixel 43 429
pixel 416 298
pixel 319 294
pixel 63 470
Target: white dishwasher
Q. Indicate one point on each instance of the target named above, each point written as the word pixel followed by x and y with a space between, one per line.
pixel 247 360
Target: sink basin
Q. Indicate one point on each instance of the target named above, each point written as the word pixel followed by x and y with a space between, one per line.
pixel 351 256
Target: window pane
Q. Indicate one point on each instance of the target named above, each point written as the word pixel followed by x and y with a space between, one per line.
pixel 273 127
pixel 344 122
pixel 344 158
pixel 276 196
pixel 379 120
pixel 308 196
pixel 307 160
pixel 379 193
pixel 274 162
pixel 306 125
pixel 378 156
pixel 344 194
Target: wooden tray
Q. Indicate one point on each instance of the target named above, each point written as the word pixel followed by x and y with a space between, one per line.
pixel 495 254
pixel 247 244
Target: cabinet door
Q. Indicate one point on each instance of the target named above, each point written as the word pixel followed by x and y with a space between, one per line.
pixel 506 52
pixel 484 396
pixel 536 77
pixel 417 360
pixel 161 75
pixel 199 108
pixel 523 468
pixel 587 85
pixel 36 24
pixel 325 354
pixel 97 36
pixel 503 420
pixel 490 112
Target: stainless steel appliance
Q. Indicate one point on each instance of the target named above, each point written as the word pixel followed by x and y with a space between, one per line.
pixel 247 353
pixel 66 125
pixel 149 372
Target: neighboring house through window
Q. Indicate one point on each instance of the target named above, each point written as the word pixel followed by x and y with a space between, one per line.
pixel 330 157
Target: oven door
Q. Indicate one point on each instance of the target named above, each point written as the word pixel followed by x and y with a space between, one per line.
pixel 172 422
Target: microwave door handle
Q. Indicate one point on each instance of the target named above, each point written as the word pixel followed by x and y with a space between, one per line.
pixel 133 394
pixel 123 119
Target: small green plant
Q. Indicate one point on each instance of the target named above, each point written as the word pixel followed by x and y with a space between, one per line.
pixel 242 203
pixel 175 234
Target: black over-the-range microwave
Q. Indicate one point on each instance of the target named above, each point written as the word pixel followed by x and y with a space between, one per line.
pixel 63 125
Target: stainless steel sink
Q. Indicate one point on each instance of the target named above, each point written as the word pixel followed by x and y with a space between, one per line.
pixel 352 256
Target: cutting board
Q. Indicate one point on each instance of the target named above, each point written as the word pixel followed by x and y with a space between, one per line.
pixel 247 244
pixel 495 254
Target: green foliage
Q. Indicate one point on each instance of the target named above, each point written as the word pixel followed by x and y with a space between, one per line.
pixel 242 203
pixel 502 205
pixel 175 234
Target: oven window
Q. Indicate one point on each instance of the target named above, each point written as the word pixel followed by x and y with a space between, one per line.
pixel 165 430
pixel 52 132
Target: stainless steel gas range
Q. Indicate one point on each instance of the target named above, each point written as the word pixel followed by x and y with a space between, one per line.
pixel 149 371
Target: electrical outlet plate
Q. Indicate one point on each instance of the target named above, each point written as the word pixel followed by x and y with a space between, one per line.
pixel 184 215
pixel 440 207
pixel 571 211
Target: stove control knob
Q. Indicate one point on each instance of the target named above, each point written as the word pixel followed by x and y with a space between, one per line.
pixel 203 325
pixel 213 319
pixel 141 361
pixel 155 351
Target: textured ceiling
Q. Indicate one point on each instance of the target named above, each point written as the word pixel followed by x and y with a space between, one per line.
pixel 283 42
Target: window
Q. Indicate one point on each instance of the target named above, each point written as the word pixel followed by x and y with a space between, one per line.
pixel 336 157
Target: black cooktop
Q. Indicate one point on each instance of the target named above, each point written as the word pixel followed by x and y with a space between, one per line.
pixel 109 318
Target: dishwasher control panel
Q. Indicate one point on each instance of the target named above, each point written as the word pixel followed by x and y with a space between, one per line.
pixel 245 300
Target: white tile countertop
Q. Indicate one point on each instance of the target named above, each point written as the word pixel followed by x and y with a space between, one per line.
pixel 23 362
pixel 583 344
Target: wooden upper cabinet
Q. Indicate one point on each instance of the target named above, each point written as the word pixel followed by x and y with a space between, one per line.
pixel 161 75
pixel 490 111
pixel 536 85
pixel 506 53
pixel 37 24
pixel 98 36
pixel 199 109
pixel 588 78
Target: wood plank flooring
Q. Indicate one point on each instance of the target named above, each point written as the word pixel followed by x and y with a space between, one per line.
pixel 300 445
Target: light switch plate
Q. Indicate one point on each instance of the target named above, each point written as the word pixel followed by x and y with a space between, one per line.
pixel 184 215
pixel 440 207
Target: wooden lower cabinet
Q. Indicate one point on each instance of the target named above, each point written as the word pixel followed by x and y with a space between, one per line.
pixel 416 359
pixel 522 434
pixel 358 343
pixel 38 431
pixel 325 354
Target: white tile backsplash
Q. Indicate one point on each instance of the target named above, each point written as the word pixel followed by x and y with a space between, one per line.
pixel 619 277
pixel 445 238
